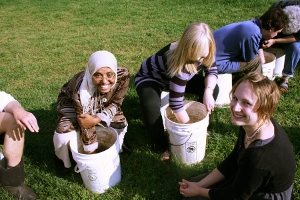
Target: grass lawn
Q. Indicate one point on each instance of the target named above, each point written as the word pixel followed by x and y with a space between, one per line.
pixel 45 42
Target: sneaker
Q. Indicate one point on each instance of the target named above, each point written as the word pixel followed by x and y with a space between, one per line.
pixel 283 84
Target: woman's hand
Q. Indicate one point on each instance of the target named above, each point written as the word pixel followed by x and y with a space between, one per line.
pixel 191 189
pixel 87 121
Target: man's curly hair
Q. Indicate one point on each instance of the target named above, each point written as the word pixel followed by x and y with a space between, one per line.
pixel 275 18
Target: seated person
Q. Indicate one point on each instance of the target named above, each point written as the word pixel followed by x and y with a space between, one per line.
pixel 262 162
pixel 91 98
pixel 239 48
pixel 14 120
pixel 288 40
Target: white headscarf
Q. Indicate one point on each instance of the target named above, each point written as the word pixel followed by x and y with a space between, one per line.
pixel 97 60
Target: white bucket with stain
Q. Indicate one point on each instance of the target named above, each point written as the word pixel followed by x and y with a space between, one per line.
pixel 225 85
pixel 101 170
pixel 280 60
pixel 269 65
pixel 188 141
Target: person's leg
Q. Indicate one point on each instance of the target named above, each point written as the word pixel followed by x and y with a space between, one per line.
pixel 254 65
pixel 196 86
pixel 12 173
pixel 61 146
pixel 13 139
pixel 149 95
pixel 292 57
pixel 119 123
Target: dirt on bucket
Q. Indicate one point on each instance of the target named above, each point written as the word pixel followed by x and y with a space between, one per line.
pixel 195 110
pixel 105 140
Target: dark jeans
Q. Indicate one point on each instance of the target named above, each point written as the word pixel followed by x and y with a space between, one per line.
pixel 149 94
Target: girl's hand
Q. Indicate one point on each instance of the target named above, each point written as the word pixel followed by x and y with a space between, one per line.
pixel 208 100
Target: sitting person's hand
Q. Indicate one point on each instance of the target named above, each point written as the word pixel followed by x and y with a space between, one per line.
pixel 88 121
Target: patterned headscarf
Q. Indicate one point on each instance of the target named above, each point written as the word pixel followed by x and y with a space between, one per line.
pixel 97 60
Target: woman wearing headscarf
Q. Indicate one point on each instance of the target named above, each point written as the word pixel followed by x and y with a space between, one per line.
pixel 91 98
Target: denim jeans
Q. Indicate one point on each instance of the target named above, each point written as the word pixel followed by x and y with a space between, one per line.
pixel 292 57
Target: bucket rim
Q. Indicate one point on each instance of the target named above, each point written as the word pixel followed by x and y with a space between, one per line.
pixel 74 139
pixel 190 124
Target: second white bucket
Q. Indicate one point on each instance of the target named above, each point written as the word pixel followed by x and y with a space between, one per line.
pixel 188 141
pixel 268 67
pixel 225 85
pixel 102 170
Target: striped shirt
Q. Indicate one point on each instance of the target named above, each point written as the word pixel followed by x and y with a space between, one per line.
pixel 155 68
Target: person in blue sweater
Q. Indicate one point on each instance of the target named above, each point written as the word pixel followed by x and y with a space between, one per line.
pixel 262 162
pixel 288 40
pixel 239 48
pixel 175 68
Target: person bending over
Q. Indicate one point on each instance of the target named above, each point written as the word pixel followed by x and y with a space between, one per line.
pixel 175 68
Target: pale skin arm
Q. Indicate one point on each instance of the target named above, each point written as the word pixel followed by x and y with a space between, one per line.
pixel 270 42
pixel 182 117
pixel 208 99
pixel 23 118
pixel 190 189
pixel 262 56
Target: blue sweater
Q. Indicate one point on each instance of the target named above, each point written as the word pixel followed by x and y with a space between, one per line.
pixel 237 42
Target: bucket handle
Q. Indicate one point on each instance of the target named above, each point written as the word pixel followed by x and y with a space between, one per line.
pixel 182 143
pixel 77 170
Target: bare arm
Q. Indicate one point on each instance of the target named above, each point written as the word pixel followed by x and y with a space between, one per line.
pixel 208 99
pixel 288 39
pixel 261 55
pixel 23 118
pixel 182 117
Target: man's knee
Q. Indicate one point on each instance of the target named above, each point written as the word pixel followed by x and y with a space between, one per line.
pixel 7 122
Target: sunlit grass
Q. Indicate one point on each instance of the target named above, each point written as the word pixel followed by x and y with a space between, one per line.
pixel 44 43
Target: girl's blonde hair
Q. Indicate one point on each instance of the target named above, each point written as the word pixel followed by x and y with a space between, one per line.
pixel 194 42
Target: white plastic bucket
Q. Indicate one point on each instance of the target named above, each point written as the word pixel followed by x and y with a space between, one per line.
pixel 225 85
pixel 102 170
pixel 269 65
pixel 280 60
pixel 188 141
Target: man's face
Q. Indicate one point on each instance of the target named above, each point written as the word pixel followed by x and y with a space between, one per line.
pixel 269 34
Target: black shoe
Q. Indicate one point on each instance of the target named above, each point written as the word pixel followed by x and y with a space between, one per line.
pixel 21 192
pixel 61 170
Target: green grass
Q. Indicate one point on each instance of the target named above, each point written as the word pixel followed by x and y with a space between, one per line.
pixel 45 42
